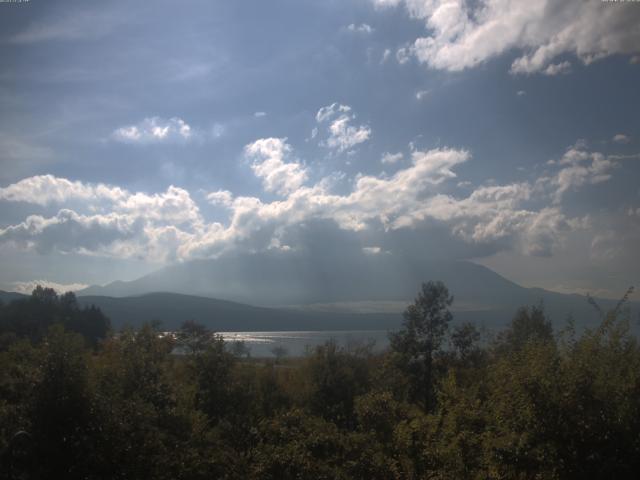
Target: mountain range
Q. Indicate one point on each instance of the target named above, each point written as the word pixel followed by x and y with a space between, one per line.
pixel 272 292
pixel 353 293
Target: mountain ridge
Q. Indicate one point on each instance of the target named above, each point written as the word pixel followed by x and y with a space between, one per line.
pixel 286 292
pixel 171 309
pixel 296 282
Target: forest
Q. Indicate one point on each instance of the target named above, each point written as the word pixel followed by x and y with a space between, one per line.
pixel 534 401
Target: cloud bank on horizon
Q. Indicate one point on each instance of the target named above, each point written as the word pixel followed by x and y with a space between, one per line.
pixel 463 147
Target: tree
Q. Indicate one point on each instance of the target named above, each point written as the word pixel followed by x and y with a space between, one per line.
pixel 528 325
pixel 279 351
pixel 464 340
pixel 240 349
pixel 420 339
pixel 141 428
pixel 31 317
pixel 213 369
pixel 193 337
pixel 336 377
pixel 61 413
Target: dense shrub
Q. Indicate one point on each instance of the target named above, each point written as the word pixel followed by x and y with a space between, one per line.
pixel 137 404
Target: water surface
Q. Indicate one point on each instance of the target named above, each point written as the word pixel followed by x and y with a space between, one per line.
pixel 262 344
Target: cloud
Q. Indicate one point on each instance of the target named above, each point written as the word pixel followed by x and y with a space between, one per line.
pixel 373 200
pixel 113 234
pixel 464 34
pixel 561 68
pixel 46 189
pixel 578 167
pixel 168 226
pixel 521 93
pixel 277 176
pixel 386 3
pixel 174 206
pixel 69 232
pixel 621 138
pixel 102 220
pixel 260 114
pixel 403 55
pixel 29 286
pixel 325 113
pixel 362 28
pixel 154 130
pixel 403 201
pixel 220 197
pixel 614 242
pixel 342 135
pixel 391 158
pixel 420 94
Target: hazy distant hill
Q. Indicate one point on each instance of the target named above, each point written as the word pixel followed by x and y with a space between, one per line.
pixel 275 280
pixel 220 294
pixel 6 297
pixel 272 280
pixel 171 309
pixel 220 315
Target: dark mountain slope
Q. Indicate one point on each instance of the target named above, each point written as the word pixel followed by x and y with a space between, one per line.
pixel 275 280
pixel 172 309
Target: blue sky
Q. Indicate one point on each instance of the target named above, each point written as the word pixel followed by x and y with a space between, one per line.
pixel 138 134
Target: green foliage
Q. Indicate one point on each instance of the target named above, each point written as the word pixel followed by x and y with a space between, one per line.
pixel 20 366
pixel 62 420
pixel 528 325
pixel 32 317
pixel 213 368
pixel 298 445
pixel 464 341
pixel 336 378
pixel 193 338
pixel 425 324
pixel 143 405
pixel 379 413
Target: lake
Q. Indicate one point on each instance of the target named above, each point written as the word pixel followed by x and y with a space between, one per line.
pixel 261 344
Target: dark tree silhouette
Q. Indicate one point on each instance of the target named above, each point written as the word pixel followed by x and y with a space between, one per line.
pixel 33 316
pixel 425 324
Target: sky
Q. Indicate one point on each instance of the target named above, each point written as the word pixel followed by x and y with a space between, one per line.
pixel 135 135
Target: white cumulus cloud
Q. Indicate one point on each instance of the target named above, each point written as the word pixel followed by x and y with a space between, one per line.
pixel 169 226
pixel 579 167
pixel 462 34
pixel 391 158
pixel 47 189
pixel 220 197
pixel 29 286
pixel 278 175
pixel 342 135
pixel 154 130
pixel 362 28
pixel 621 138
